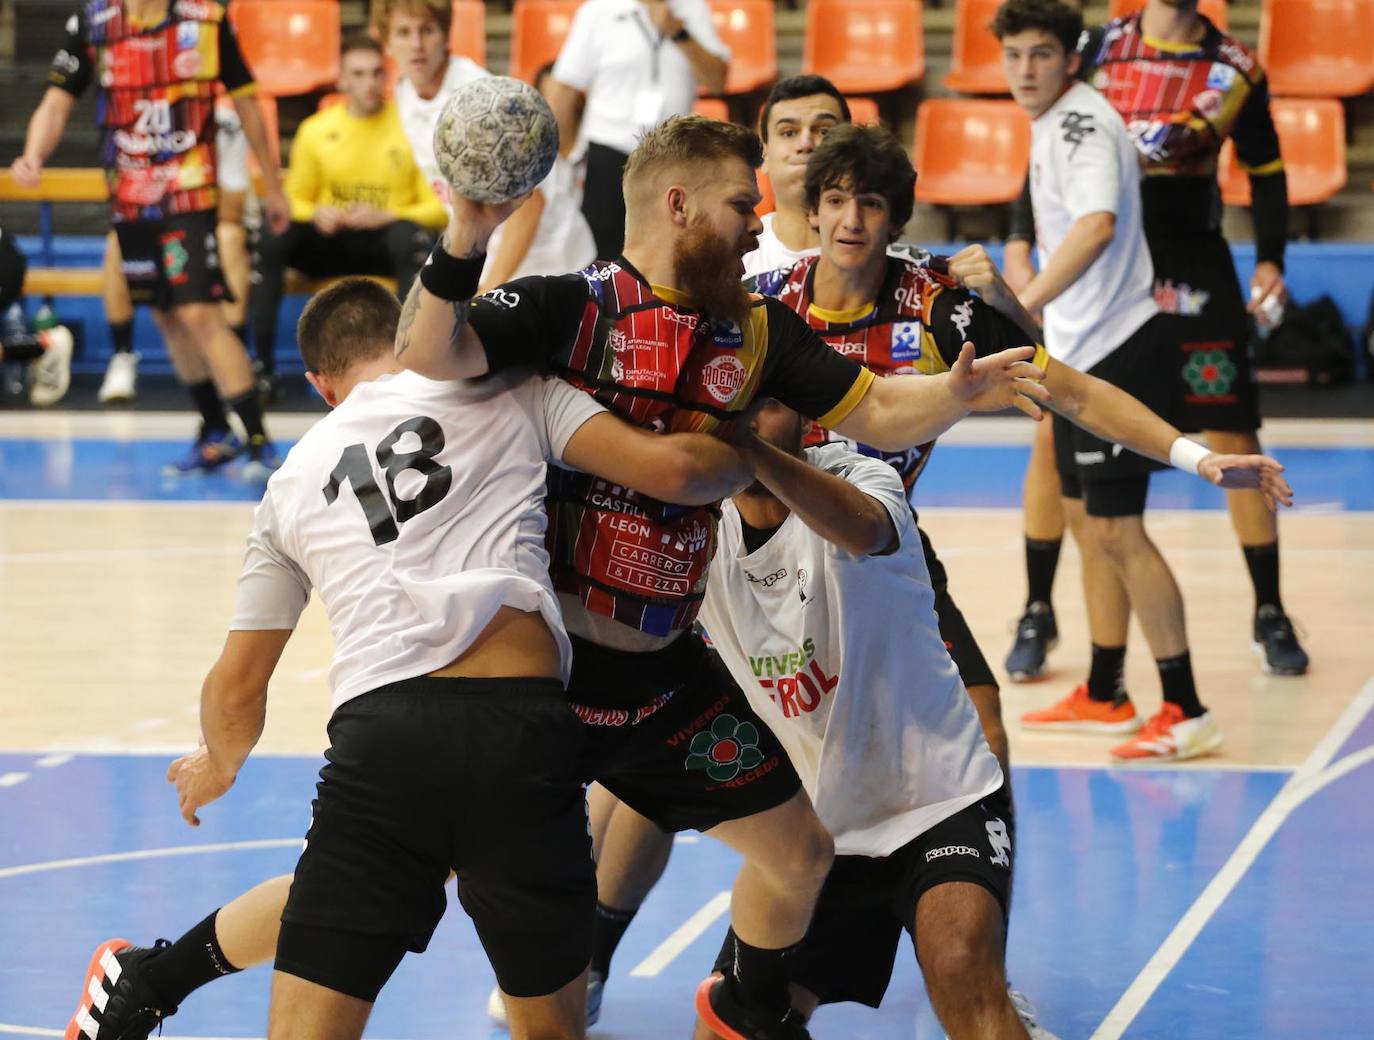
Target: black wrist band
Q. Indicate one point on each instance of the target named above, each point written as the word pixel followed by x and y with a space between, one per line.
pixel 682 35
pixel 449 278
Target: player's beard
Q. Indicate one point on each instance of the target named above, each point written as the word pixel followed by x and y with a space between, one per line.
pixel 708 272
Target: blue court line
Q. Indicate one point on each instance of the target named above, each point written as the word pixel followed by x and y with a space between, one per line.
pixel 113 470
pixel 1108 860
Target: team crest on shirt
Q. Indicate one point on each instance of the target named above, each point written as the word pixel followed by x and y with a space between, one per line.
pixel 906 340
pixel 186 64
pixel 723 377
pixel 1209 103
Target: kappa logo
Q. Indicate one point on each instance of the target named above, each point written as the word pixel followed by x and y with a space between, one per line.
pixel 723 377
pixel 768 580
pixel 962 317
pixel 1000 841
pixel 1074 128
pixel 952 850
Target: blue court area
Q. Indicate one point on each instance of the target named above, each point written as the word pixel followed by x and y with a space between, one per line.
pixel 109 470
pixel 1108 862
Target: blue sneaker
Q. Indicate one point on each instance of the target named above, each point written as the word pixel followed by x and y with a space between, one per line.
pixel 263 460
pixel 211 450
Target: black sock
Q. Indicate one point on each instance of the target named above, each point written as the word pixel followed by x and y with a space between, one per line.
pixel 610 929
pixel 1176 676
pixel 1263 561
pixel 249 411
pixel 207 402
pixel 22 347
pixel 1106 677
pixel 761 977
pixel 1042 560
pixel 122 332
pixel 186 965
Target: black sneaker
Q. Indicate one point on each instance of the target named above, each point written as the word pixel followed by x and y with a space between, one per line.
pixel 1036 635
pixel 1277 643
pixel 115 1003
pixel 267 384
pixel 721 1009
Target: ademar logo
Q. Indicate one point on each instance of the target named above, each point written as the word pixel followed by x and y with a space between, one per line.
pixel 723 377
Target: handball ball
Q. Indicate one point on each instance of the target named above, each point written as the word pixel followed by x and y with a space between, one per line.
pixel 496 139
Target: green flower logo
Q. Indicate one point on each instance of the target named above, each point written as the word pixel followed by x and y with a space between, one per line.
pixel 726 748
pixel 174 258
pixel 1209 373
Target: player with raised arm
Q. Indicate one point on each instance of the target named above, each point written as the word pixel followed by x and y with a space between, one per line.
pixel 667 337
pixel 415 510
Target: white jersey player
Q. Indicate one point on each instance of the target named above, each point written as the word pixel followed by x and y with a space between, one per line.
pixel 416 511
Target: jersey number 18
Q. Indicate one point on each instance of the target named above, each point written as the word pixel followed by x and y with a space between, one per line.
pixel 354 466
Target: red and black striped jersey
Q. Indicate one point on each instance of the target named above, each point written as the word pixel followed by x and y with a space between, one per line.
pixel 916 325
pixel 157 99
pixel 655 362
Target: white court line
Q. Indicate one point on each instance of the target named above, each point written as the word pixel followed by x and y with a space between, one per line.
pixel 687 934
pixel 1309 778
pixel 125 857
pixel 51 761
pixel 10 779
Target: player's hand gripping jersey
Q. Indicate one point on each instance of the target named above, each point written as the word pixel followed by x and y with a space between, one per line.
pixel 157 99
pixel 917 326
pixel 660 365
pixel 1179 103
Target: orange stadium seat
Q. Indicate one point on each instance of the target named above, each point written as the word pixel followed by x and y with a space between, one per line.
pixel 538 30
pixel 976 56
pixel 292 46
pixel 970 152
pixel 865 46
pixel 746 27
pixel 1215 10
pixel 767 203
pixel 1312 140
pixel 1317 48
pixel 468 36
pixel 863 110
pixel 712 108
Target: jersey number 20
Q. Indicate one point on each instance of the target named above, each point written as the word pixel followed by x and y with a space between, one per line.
pixel 354 466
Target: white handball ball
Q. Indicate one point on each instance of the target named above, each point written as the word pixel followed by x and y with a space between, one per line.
pixel 496 139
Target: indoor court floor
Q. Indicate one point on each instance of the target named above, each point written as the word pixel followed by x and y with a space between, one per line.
pixel 1229 897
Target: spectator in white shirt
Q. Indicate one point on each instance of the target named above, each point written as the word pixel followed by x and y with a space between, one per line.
pixel 628 65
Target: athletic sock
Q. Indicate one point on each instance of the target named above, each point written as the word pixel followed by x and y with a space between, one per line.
pixel 1106 676
pixel 22 346
pixel 122 333
pixel 609 930
pixel 249 410
pixel 1176 676
pixel 1042 560
pixel 761 977
pixel 207 402
pixel 1263 561
pixel 189 963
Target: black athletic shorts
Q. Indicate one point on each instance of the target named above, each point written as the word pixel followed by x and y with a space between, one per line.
pixel 431 775
pixel 1196 284
pixel 172 261
pixel 867 901
pixel 1112 480
pixel 968 657
pixel 672 736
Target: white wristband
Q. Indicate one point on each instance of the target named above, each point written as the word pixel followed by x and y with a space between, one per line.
pixel 1187 455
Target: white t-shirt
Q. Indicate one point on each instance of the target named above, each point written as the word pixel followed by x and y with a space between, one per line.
pixel 563 241
pixel 772 255
pixel 416 508
pixel 419 116
pixel 1083 161
pixel 633 77
pixel 841 656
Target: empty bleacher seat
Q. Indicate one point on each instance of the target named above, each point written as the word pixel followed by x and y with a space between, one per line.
pixel 1216 10
pixel 1317 48
pixel 1312 140
pixel 468 36
pixel 970 152
pixel 291 46
pixel 976 56
pixel 865 46
pixel 746 27
pixel 538 29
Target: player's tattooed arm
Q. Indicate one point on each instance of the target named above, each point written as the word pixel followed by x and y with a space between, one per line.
pixel 432 335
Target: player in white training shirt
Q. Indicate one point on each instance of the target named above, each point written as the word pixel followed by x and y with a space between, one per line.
pixel 415 509
pixel 1095 287
pixel 821 606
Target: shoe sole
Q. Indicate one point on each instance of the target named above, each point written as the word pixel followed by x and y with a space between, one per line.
pixel 1039 673
pixel 1212 745
pixel 1085 726
pixel 95 977
pixel 708 1013
pixel 1268 669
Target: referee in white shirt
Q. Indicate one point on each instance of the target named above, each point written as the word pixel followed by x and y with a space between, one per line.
pixel 628 65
